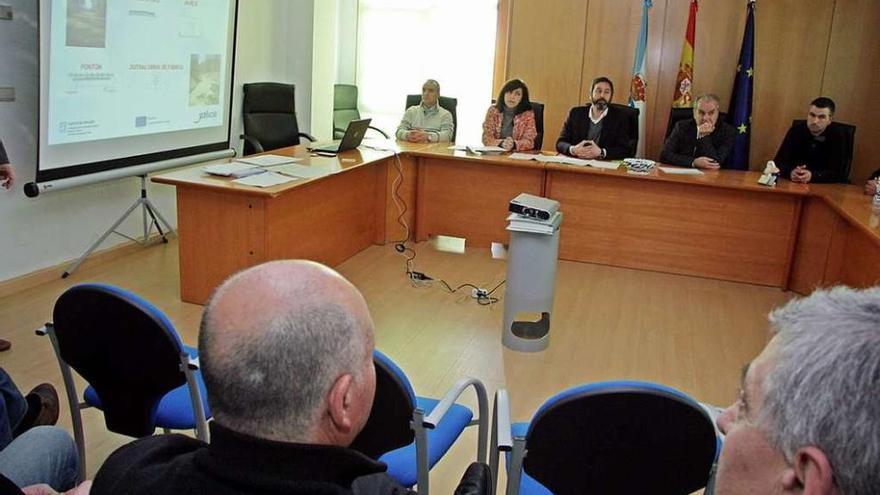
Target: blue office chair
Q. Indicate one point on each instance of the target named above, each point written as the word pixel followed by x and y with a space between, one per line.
pixel 139 372
pixel 608 437
pixel 411 433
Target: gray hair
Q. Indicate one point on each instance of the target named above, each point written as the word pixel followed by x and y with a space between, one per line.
pixel 824 389
pixel 432 82
pixel 278 377
pixel 707 97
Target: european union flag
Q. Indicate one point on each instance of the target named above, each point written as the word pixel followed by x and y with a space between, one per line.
pixel 740 113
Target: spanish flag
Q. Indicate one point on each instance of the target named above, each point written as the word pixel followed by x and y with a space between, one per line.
pixel 684 83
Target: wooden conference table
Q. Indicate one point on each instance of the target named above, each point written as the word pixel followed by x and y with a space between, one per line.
pixel 720 225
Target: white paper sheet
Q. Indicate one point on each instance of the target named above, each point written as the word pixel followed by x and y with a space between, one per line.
pixel 267 160
pixel 604 165
pixel 681 171
pixel 302 171
pixel 268 179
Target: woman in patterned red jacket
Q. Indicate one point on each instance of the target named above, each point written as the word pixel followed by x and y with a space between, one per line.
pixel 510 122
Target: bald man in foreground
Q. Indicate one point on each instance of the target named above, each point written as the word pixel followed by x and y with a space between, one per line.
pixel 286 351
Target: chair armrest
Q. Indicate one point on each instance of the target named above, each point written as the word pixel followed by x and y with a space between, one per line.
pixel 338 129
pixel 504 440
pixel 452 395
pixel 254 142
pixel 307 136
pixel 380 131
pixel 194 364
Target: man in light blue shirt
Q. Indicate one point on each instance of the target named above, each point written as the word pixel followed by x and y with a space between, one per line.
pixel 426 122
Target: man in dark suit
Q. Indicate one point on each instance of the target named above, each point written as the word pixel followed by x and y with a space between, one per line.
pixel 703 142
pixel 7 174
pixel 814 150
pixel 596 130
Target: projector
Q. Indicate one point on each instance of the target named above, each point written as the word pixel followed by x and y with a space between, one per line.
pixel 534 206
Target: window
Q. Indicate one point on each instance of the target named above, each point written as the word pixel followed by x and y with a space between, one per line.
pixel 401 43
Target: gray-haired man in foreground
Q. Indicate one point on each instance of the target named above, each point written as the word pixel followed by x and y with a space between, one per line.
pixel 808 417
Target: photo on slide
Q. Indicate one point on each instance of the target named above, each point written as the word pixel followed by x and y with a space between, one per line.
pixel 87 23
pixel 204 80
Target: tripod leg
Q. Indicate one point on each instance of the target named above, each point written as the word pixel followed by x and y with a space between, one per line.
pixel 148 209
pixel 97 243
pixel 153 210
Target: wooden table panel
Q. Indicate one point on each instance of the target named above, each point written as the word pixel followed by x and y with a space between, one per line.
pixel 220 234
pixel 817 225
pixel 674 227
pixel 469 199
pixel 326 220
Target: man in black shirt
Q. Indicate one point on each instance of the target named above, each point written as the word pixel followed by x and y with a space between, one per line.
pixel 702 142
pixel 286 350
pixel 597 130
pixel 815 150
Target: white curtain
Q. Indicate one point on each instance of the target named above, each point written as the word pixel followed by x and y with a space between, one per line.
pixel 401 43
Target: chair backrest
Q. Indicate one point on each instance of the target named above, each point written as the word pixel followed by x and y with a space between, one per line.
pixel 446 102
pixel 604 437
pixel 124 347
pixel 538 109
pixel 270 115
pixel 345 108
pixel 632 126
pixel 388 426
pixel 849 135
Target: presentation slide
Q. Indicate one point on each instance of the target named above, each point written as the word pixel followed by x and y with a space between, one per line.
pixel 127 77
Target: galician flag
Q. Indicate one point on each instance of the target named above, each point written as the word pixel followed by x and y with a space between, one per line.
pixel 684 83
pixel 639 86
pixel 740 115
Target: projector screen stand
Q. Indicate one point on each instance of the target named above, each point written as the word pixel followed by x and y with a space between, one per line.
pixel 148 209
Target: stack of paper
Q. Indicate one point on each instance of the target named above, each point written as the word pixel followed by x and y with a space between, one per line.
pixel 568 160
pixel 522 223
pixel 486 150
pixel 233 169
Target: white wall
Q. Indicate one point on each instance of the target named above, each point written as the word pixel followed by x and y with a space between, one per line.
pixel 346 39
pixel 274 44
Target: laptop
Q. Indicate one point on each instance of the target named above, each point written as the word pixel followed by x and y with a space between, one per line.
pixel 354 134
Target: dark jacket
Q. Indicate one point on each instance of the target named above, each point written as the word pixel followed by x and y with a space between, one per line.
pixel 682 146
pixel 3 157
pixel 825 157
pixel 235 463
pixel 613 138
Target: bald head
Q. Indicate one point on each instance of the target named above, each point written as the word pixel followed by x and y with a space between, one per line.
pixel 275 339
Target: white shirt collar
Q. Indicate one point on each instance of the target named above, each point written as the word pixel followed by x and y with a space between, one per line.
pixel 601 116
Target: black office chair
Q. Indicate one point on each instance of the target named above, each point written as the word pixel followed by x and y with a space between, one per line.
pixel 605 438
pixel 446 102
pixel 411 433
pixel 632 126
pixel 678 114
pixel 345 109
pixel 538 110
pixel 849 134
pixel 138 372
pixel 270 117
